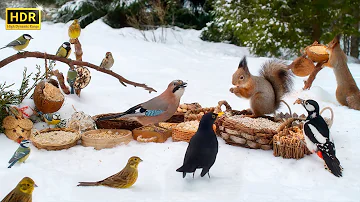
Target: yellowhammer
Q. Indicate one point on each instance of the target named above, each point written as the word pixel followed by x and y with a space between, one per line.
pixel 22 192
pixel 74 30
pixel 123 179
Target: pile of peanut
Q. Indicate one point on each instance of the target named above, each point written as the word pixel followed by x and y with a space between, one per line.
pixel 190 126
pixel 183 108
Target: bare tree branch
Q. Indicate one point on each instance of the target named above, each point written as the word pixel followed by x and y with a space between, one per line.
pixel 71 63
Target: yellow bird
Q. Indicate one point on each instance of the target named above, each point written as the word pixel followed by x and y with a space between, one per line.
pixel 74 30
pixel 20 43
pixel 22 192
pixel 123 179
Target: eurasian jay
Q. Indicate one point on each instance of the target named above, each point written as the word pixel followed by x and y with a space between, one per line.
pixel 158 109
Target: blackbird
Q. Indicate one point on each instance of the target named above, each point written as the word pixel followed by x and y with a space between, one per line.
pixel 203 147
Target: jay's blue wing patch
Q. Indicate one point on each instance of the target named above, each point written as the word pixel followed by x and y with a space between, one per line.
pixel 153 112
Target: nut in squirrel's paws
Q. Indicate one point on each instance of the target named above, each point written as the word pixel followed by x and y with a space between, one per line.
pixel 232 90
pixel 298 101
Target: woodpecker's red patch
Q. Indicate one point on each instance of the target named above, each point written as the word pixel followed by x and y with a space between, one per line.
pixel 319 154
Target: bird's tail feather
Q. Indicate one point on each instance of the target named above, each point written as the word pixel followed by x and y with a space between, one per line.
pixel 3 47
pixel 333 165
pixel 13 163
pixel 88 184
pixel 204 171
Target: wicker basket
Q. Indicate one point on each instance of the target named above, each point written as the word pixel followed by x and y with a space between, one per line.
pixel 179 134
pixel 317 52
pixel 302 66
pixel 124 137
pixel 196 114
pixel 289 142
pixel 42 103
pixel 151 134
pixel 52 146
pixel 236 133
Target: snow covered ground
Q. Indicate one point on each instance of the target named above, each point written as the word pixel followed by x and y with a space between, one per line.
pixel 239 174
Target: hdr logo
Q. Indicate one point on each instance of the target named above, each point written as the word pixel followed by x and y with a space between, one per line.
pixel 23 19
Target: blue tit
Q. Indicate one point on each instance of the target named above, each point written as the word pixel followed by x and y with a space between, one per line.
pixel 63 51
pixel 71 78
pixel 52 118
pixel 20 43
pixel 21 154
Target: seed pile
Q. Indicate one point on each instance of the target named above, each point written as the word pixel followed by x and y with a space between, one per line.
pixel 187 107
pixel 188 126
pixel 52 93
pixel 54 137
pixel 258 123
pixel 105 134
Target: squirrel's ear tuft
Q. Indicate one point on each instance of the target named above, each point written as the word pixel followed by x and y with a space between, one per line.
pixel 243 63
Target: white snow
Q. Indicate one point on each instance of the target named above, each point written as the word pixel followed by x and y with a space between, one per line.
pixel 239 174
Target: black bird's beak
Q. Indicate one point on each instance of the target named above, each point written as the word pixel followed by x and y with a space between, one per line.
pixel 220 114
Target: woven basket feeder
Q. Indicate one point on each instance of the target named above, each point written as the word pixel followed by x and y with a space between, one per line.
pixel 55 146
pixel 122 137
pixel 179 134
pixel 236 133
pixel 196 114
pixel 290 143
pixel 317 52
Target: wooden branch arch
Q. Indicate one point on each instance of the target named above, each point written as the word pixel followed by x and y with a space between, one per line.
pixel 72 64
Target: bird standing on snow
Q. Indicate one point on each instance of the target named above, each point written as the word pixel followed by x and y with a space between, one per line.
pixel 317 137
pixel 22 192
pixel 21 154
pixel 63 51
pixel 156 110
pixel 108 61
pixel 20 43
pixel 123 179
pixel 203 147
pixel 74 30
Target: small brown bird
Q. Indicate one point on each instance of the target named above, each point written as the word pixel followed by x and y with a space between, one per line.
pixel 108 61
pixel 123 179
pixel 22 192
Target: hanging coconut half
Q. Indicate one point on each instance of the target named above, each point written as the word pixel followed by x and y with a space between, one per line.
pixel 302 66
pixel 317 52
pixel 83 78
pixel 48 97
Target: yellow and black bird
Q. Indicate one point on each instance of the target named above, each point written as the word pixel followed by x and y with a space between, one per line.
pixel 63 51
pixel 123 179
pixel 203 147
pixel 22 192
pixel 74 30
pixel 20 43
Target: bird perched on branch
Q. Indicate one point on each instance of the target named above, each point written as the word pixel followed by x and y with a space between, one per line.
pixel 21 154
pixel 22 192
pixel 63 51
pixel 156 110
pixel 317 137
pixel 123 179
pixel 20 43
pixel 108 61
pixel 203 147
pixel 71 78
pixel 74 30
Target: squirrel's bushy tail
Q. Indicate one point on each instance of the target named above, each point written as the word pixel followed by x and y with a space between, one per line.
pixel 280 78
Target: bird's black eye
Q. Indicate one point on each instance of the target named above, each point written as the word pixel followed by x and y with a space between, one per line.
pixel 28 185
pixel 213 116
pixel 241 77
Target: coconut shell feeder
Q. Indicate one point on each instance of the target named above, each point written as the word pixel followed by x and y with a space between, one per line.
pixel 48 97
pixel 302 66
pixel 317 52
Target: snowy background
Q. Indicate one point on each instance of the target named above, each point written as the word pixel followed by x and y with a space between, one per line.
pixel 239 174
